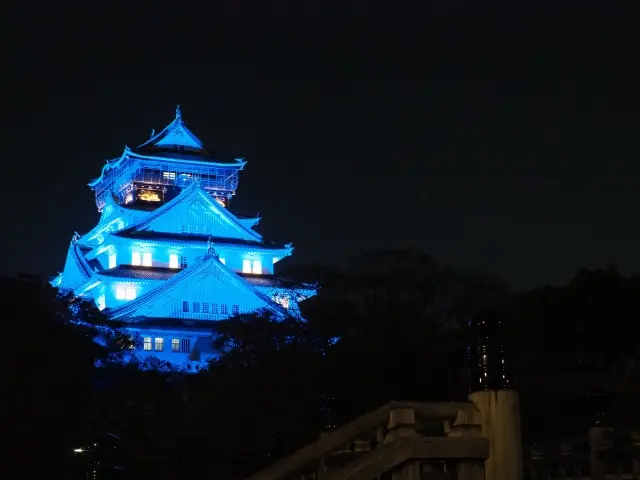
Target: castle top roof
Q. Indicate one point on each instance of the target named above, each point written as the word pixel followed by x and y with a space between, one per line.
pixel 175 137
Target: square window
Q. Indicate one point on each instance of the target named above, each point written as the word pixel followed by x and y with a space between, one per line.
pixel 174 261
pixel 131 293
pixel 121 293
pixel 214 308
pixel 205 308
pixel 256 266
pixel 183 262
pixel 159 344
pixel 175 344
pixel 223 309
pixel 246 266
pixel 147 343
pixel 146 259
pixel 235 309
pixel 135 258
pixel 185 306
pixel 196 307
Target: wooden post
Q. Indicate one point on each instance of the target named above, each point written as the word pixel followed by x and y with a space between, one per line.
pixel 500 413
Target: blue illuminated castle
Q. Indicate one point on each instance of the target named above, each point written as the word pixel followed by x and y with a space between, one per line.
pixel 168 256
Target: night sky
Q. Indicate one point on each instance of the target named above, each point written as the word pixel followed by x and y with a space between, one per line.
pixel 502 140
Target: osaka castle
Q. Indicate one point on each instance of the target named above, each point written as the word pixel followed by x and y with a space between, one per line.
pixel 168 256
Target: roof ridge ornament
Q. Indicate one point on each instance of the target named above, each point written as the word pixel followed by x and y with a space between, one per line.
pixel 211 252
pixel 178 114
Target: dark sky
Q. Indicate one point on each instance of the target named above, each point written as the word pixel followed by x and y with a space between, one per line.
pixel 502 139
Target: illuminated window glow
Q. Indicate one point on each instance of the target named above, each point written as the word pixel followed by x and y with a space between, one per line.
pixel 246 266
pixel 174 262
pixel 125 293
pixel 147 343
pixel 159 344
pixel 135 258
pixel 146 259
pixel 101 302
pixel 256 266
pixel 112 260
pixel 175 344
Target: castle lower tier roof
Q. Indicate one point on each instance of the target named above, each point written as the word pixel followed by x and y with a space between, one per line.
pixel 160 273
pixel 189 238
pixel 140 273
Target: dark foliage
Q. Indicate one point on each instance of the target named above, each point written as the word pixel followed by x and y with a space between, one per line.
pixel 392 326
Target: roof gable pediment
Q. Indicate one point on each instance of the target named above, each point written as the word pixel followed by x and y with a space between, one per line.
pixel 194 209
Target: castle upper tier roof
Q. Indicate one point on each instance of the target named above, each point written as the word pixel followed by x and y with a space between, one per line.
pixel 177 141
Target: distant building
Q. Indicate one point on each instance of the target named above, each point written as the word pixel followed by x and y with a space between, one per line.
pixel 168 256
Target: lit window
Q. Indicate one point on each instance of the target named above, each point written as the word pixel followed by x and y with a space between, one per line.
pixel 205 308
pixel 147 343
pixel 175 344
pixel 131 293
pixel 128 198
pixel 235 309
pixel 214 308
pixel 174 261
pixel 223 260
pixel 256 266
pixel 186 345
pixel 169 175
pixel 121 293
pixel 185 306
pixel 223 309
pixel 135 258
pixel 183 262
pixel 196 307
pixel 159 344
pixel 101 302
pixel 246 266
pixel 146 259
pixel 112 260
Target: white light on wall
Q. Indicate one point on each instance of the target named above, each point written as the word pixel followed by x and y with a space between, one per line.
pixel 112 260
pixel 223 260
pixel 101 302
pixel 256 266
pixel 246 266
pixel 146 259
pixel 131 293
pixel 125 293
pixel 174 261
pixel 135 258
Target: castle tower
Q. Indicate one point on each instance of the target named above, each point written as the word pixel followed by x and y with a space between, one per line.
pixel 491 392
pixel 168 256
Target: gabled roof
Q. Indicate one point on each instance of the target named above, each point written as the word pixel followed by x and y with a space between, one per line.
pixel 188 196
pixel 176 134
pixel 211 267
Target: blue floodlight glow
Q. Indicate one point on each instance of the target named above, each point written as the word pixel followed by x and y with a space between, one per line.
pixel 169 256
